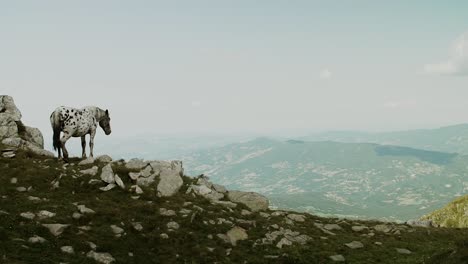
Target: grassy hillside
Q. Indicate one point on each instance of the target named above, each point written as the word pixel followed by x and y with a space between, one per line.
pixel 454 214
pixel 196 240
pixel 333 178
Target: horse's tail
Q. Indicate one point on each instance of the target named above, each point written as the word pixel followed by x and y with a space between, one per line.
pixel 56 126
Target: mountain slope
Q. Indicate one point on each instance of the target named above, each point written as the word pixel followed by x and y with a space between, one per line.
pixel 331 178
pixel 454 214
pixel 446 139
pixel 118 227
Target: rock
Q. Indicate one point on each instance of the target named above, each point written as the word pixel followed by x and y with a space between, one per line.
pixel 296 217
pixel 87 161
pixel 146 172
pixel 359 228
pixel 165 212
pixel 354 245
pixel 104 159
pixel 34 199
pixel 245 212
pixel 43 214
pixel 421 223
pixel 173 225
pixel 92 245
pixel 176 166
pixel 36 239
pixel 236 234
pixel 107 174
pixel 135 164
pixel 204 181
pixel 337 258
pixel 283 242
pixel 170 183
pixel 9 154
pixel 219 188
pixel 138 190
pixel 21 189
pixel 55 229
pixel 403 251
pixel 119 181
pixel 382 228
pixel 137 226
pixel 378 243
pixel 76 215
pixel 8 107
pixel 164 236
pixel 13 180
pixel 92 171
pixel 85 210
pixel 134 175
pixel 109 187
pixel 67 249
pixel 146 181
pixel 332 227
pixel 104 258
pixel 28 215
pixel 227 204
pixel 117 230
pixel 255 201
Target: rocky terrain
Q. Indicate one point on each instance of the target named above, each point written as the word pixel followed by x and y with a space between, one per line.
pixel 454 214
pixel 104 211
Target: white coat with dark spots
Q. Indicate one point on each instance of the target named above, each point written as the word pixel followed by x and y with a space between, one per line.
pixel 74 122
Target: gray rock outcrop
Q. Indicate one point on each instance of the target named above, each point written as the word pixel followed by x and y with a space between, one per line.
pixel 13 133
pixel 255 201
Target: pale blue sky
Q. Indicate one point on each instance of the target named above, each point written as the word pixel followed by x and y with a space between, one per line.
pixel 239 66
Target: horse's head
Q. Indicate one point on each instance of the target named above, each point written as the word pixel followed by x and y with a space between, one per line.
pixel 105 123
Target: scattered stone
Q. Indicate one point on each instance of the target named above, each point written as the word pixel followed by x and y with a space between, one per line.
pixel 378 243
pixel 92 171
pixel 337 258
pixel 227 204
pixel 104 159
pixel 36 239
pixel 104 258
pixel 245 212
pixel 107 174
pixel 403 251
pixel 173 225
pixel 67 249
pixel 421 223
pixel 138 190
pixel 332 227
pixel 236 234
pixel 109 187
pixel 164 236
pixel 224 237
pixel 146 181
pixel 21 189
pixel 84 228
pixel 43 214
pixel 13 180
pixel 118 231
pixel 219 188
pixel 279 213
pixel 359 228
pixel 265 215
pixel 119 181
pixel 137 226
pixel 55 229
pixel 296 217
pixel 77 215
pixel 9 154
pixel 92 245
pixel 146 172
pixel 255 201
pixel 283 242
pixel 382 228
pixel 354 245
pixel 34 199
pixel 134 175
pixel 87 161
pixel 94 181
pixel 165 212
pixel 28 215
pixel 85 210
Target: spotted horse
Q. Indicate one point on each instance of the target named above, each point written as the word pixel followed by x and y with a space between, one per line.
pixel 77 123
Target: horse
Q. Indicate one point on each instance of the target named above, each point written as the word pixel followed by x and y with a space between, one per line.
pixel 77 123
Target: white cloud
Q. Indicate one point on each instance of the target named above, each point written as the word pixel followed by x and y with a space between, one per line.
pixel 457 63
pixel 325 74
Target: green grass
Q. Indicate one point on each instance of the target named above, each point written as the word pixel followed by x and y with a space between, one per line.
pixel 188 244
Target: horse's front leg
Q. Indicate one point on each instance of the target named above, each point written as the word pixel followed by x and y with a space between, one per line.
pixel 83 146
pixel 66 136
pixel 91 142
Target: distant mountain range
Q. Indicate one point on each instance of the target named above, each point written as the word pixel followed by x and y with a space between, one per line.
pixel 334 178
pixel 445 139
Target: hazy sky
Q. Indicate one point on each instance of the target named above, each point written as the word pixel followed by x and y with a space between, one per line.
pixel 239 66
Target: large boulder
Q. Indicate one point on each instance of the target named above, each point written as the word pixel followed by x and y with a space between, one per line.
pixel 170 182
pixel 14 133
pixel 255 201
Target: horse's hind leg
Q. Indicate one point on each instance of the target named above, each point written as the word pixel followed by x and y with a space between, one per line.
pixel 83 146
pixel 66 136
pixel 91 142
